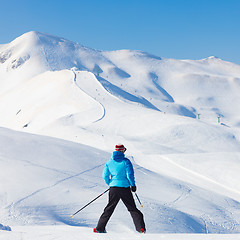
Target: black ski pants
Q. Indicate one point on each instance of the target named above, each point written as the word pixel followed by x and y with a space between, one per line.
pixel 125 194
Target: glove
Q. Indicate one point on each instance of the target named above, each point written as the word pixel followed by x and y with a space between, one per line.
pixel 133 188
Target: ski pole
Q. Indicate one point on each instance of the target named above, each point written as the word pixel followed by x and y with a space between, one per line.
pixel 139 200
pixel 89 203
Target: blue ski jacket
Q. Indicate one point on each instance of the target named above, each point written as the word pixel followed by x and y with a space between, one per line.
pixel 118 171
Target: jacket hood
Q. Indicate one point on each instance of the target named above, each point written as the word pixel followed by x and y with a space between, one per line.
pixel 118 156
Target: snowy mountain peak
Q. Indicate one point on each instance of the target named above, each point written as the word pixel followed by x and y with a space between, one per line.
pixel 26 37
pixel 34 38
pixel 20 50
pixel 212 59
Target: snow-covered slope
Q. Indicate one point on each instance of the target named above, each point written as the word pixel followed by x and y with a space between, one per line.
pixel 165 111
pixel 45 180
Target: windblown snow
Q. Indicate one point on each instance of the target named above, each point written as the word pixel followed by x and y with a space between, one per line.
pixel 63 108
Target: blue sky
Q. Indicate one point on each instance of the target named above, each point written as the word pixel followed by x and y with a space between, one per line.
pixel 181 29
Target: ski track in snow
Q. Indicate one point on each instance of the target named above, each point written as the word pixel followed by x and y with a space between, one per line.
pixel 181 197
pixel 51 186
pixel 102 106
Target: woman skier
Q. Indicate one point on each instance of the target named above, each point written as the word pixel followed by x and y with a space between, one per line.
pixel 118 174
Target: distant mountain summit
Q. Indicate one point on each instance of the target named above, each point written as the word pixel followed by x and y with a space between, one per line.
pixel 52 53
